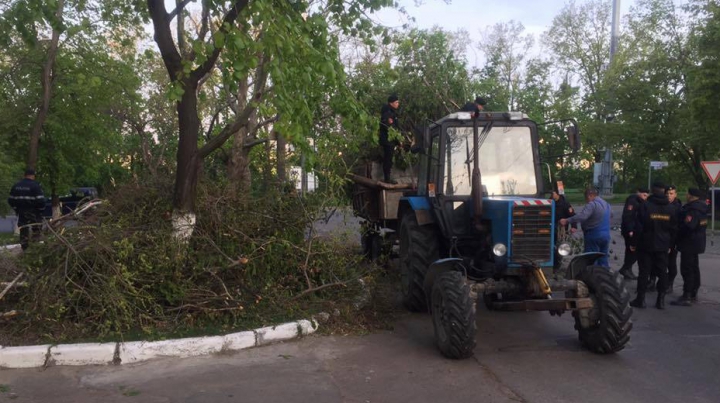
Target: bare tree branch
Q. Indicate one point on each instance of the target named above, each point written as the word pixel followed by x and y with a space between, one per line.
pixel 180 6
pixel 254 143
pixel 163 37
pixel 205 20
pixel 242 119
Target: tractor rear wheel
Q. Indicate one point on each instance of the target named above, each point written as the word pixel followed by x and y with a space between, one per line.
pixel 372 245
pixel 609 320
pixel 418 249
pixel 453 313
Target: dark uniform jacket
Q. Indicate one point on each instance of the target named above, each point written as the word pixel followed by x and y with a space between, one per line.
pixel 470 107
pixel 629 214
pixel 386 113
pixel 678 207
pixel 691 237
pixel 657 224
pixel 27 199
pixel 563 209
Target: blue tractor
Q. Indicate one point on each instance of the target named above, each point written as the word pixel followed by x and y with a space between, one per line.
pixel 476 225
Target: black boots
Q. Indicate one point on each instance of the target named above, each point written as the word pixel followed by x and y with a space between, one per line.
pixel 627 274
pixel 684 300
pixel 660 303
pixel 670 287
pixel 651 283
pixel 639 302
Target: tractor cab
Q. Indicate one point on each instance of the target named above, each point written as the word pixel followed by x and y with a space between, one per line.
pixel 473 223
pixel 511 224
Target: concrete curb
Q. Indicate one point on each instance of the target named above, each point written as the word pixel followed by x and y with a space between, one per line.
pixel 139 351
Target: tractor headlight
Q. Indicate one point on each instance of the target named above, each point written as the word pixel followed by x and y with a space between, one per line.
pixel 564 249
pixel 499 249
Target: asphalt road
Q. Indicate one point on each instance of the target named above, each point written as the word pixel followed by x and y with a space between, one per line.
pixel 673 356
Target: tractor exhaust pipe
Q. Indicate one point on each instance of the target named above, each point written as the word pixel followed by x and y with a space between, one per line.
pixel 477 192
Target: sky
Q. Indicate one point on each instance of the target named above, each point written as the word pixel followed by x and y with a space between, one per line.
pixel 475 16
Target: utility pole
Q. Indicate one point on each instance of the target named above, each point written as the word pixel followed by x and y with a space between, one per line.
pixel 606 172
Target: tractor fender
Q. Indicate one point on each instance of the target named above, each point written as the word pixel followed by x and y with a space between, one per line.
pixel 436 268
pixel 578 262
pixel 419 206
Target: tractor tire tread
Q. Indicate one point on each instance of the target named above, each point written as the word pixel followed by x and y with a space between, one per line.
pixel 613 332
pixel 423 251
pixel 460 311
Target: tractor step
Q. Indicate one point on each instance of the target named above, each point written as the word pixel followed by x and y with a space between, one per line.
pixel 563 304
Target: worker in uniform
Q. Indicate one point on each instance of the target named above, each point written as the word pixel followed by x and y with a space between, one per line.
pixel 28 201
pixel 388 119
pixel 475 107
pixel 671 193
pixel 627 229
pixel 656 228
pixel 691 243
pixel 595 221
pixel 563 209
pixel 672 256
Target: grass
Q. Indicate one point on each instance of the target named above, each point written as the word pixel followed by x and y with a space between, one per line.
pixel 4 388
pixel 129 391
pixel 8 238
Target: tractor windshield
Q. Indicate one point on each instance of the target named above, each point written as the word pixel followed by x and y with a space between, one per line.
pixel 506 161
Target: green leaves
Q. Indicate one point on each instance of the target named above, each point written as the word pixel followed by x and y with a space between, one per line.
pixel 175 92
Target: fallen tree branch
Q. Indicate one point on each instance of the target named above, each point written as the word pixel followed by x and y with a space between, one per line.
pixel 9 314
pixel 20 284
pixel 12 283
pixel 374 184
pixel 318 288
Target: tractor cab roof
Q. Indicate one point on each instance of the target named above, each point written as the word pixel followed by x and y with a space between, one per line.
pixel 484 116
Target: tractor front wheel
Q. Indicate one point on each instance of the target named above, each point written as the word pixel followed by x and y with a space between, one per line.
pixel 605 328
pixel 453 313
pixel 418 249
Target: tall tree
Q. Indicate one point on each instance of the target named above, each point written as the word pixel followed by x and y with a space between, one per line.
pixel 505 47
pixel 48 25
pixel 579 39
pixel 282 42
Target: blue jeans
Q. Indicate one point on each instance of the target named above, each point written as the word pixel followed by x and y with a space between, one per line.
pixel 598 242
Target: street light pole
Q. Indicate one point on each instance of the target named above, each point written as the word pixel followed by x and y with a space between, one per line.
pixel 606 172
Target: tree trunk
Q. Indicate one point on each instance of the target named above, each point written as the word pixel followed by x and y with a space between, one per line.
pixel 46 90
pixel 239 164
pixel 303 176
pixel 188 163
pixel 281 157
pixel 267 167
pixel 189 157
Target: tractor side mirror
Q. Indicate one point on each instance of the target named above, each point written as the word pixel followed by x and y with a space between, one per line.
pixel 573 135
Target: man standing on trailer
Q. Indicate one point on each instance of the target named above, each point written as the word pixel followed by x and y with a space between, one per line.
pixel 475 107
pixel 388 119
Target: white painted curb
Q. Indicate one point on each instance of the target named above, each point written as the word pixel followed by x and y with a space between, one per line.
pixel 11 246
pixel 139 351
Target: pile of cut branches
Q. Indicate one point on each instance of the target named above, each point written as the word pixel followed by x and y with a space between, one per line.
pixel 117 271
